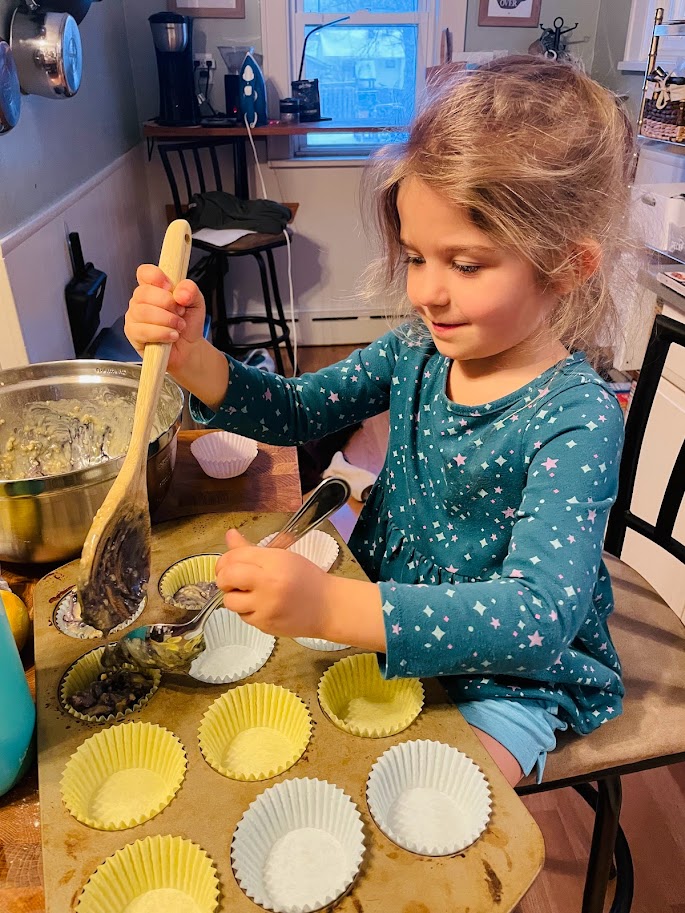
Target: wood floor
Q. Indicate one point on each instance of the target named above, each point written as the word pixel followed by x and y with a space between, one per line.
pixel 653 815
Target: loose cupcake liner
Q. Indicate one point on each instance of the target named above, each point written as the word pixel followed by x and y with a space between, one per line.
pixel 313 643
pixel 357 699
pixel 83 672
pixel 428 798
pixel 123 776
pixel 223 454
pixel 255 732
pixel 233 650
pixel 169 874
pixel 187 571
pixel 320 548
pixel 298 847
pixel 66 620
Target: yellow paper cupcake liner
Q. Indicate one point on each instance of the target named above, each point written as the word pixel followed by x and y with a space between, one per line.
pixel 356 698
pixel 82 673
pixel 123 776
pixel 168 874
pixel 196 569
pixel 255 732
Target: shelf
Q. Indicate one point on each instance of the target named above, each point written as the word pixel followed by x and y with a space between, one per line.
pixel 676 258
pixel 674 29
pixel 662 142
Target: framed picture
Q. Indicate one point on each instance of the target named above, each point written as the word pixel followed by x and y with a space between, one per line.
pixel 509 13
pixel 208 9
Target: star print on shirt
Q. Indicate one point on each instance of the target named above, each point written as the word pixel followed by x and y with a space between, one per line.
pixel 457 527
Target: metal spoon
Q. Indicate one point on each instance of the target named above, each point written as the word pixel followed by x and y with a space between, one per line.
pixel 172 648
pixel 115 561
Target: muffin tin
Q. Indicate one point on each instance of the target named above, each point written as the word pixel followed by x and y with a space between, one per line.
pixel 207 808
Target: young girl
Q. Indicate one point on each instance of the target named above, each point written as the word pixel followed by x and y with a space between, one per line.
pixel 483 534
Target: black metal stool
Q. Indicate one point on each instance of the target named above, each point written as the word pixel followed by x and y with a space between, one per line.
pixel 197 163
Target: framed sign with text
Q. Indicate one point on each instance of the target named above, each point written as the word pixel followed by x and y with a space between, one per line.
pixel 509 13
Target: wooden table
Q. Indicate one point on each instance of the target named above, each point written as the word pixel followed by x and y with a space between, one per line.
pixel 272 483
pixel 510 853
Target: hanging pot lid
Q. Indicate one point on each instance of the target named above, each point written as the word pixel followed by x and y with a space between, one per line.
pixel 10 93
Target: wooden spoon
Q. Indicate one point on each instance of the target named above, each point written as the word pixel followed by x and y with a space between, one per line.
pixel 115 561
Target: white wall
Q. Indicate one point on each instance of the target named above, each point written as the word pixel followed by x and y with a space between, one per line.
pixel 65 166
pixel 111 214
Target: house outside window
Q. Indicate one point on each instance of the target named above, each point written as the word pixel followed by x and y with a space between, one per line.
pixel 371 68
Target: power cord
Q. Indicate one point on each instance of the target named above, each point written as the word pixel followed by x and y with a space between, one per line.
pixel 287 244
pixel 203 96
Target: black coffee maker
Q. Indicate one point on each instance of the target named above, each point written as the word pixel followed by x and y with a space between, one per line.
pixel 173 38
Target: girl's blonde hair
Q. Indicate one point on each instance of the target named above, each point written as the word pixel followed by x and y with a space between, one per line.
pixel 540 155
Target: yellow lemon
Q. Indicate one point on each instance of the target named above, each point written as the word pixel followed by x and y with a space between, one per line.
pixel 18 615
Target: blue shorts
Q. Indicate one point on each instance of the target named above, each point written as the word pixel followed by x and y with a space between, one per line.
pixel 527 729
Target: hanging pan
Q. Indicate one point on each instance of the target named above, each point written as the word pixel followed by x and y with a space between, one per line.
pixel 75 8
pixel 10 94
pixel 47 52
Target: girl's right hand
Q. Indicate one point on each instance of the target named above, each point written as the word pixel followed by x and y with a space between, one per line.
pixel 156 315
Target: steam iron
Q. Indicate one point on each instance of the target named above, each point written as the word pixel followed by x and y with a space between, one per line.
pixel 252 92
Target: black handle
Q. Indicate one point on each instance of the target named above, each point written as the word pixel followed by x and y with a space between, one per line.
pixel 77 261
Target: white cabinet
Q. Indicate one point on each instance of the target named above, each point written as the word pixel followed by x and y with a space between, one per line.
pixel 662 443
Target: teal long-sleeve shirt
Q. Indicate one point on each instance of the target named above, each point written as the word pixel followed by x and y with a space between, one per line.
pixel 484 529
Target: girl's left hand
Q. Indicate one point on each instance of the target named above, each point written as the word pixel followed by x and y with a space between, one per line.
pixel 275 590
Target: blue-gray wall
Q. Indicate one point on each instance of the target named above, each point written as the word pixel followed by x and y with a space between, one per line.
pixel 57 145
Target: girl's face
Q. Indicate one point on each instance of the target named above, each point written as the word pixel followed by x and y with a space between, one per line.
pixel 478 300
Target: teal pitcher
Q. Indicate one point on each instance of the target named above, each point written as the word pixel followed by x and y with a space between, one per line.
pixel 17 711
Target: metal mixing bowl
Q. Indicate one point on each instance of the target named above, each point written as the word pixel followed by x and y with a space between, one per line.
pixel 47 519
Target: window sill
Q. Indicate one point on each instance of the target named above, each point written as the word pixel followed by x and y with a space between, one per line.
pixel 632 66
pixel 320 161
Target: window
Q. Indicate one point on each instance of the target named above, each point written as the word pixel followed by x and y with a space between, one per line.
pixel 371 67
pixel 640 28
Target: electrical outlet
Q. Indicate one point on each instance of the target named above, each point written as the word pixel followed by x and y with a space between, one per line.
pixel 205 62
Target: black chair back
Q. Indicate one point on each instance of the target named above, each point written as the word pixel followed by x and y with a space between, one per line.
pixel 191 166
pixel 665 332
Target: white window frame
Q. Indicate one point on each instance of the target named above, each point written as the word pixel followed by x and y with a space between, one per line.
pixel 639 38
pixel 282 23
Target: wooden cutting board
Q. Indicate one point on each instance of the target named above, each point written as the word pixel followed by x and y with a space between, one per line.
pixel 492 874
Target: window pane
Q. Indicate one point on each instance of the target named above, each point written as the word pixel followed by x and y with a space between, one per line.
pixel 353 6
pixel 354 142
pixel 367 74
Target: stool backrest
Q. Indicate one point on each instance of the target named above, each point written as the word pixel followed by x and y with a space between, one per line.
pixel 191 166
pixel 665 332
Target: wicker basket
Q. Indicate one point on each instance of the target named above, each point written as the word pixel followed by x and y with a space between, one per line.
pixel 666 123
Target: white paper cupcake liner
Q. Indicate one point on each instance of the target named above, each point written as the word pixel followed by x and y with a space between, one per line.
pixel 320 548
pixel 428 798
pixel 222 454
pixel 313 643
pixel 66 618
pixel 298 847
pixel 233 650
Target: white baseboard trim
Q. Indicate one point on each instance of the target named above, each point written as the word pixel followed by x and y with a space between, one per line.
pixel 324 328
